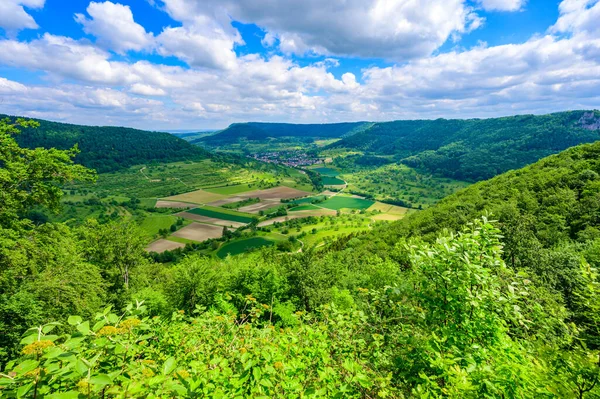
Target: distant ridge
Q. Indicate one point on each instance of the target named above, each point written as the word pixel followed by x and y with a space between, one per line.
pixel 255 131
pixel 109 148
pixel 476 149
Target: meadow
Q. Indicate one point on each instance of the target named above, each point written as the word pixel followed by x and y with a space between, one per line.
pixel 343 202
pixel 241 246
pixel 401 184
pixel 220 213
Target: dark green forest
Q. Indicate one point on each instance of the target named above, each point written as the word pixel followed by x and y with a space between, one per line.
pixel 255 131
pixel 475 149
pixel 492 293
pixel 109 148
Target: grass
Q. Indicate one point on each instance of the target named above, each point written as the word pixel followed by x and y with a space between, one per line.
pixel 241 246
pixel 339 202
pixel 308 200
pixel 331 181
pixel 399 182
pixel 181 240
pixel 153 223
pixel 307 207
pixel 387 208
pixel 327 171
pixel 230 190
pixel 163 180
pixel 196 197
pixel 223 214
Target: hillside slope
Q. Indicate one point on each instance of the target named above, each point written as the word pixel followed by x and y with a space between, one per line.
pixel 255 131
pixel 476 149
pixel 109 148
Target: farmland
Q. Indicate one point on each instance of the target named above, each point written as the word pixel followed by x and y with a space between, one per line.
pixel 202 198
pixel 342 202
pixel 241 246
pixel 199 232
pixel 221 214
pixel 401 184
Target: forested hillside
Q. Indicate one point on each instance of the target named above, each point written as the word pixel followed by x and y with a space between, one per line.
pixel 476 149
pixel 507 309
pixel 109 148
pixel 255 131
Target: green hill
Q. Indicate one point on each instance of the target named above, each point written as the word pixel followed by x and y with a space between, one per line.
pixel 476 149
pixel 255 131
pixel 109 148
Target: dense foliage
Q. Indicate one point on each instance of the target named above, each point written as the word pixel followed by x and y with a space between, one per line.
pixel 255 131
pixel 505 309
pixel 475 149
pixel 109 148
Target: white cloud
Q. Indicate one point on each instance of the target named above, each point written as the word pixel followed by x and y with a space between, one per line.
pixel 502 5
pixel 199 46
pixel 396 30
pixel 578 16
pixel 9 86
pixel 64 57
pixel 115 28
pixel 14 17
pixel 558 71
pixel 146 90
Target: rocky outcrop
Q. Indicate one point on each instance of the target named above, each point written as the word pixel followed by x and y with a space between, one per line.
pixel 589 121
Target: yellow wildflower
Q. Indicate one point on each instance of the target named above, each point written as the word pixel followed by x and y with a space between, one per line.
pixel 83 386
pixel 37 347
pixel 130 324
pixel 278 365
pixel 183 374
pixel 243 350
pixel 146 372
pixel 108 331
pixel 33 373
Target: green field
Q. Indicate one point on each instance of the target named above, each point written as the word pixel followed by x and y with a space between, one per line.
pixel 401 183
pixel 239 247
pixel 159 181
pixel 306 207
pixel 331 181
pixel 153 223
pixel 308 200
pixel 229 190
pixel 339 202
pixel 327 171
pixel 222 214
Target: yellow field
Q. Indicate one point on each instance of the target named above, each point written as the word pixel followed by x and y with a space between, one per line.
pixel 196 197
pixel 389 209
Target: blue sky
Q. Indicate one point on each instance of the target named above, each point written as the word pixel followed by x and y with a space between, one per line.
pixel 200 64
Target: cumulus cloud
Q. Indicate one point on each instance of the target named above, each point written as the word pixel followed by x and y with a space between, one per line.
pixel 14 17
pixel 199 46
pixel 578 16
pixel 502 5
pixel 146 90
pixel 397 30
pixel 115 28
pixel 556 71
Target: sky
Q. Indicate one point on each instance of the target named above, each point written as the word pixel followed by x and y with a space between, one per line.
pixel 203 64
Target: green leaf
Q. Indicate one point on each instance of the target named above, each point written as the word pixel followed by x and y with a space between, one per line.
pixel 84 328
pixel 26 366
pixel 30 339
pixel 169 365
pixel 74 320
pixel 22 391
pixel 101 379
pixel 64 395
pixel 98 325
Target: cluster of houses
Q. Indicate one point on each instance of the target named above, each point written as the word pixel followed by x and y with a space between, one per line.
pixel 289 158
